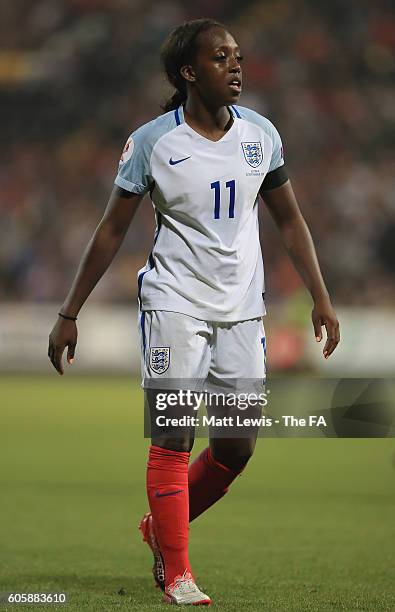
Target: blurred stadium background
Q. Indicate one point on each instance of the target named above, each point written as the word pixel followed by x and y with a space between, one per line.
pixel 77 76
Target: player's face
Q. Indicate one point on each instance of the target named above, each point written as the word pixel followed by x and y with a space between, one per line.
pixel 217 69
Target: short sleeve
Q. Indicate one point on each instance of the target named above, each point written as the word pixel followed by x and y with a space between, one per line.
pixel 134 165
pixel 277 159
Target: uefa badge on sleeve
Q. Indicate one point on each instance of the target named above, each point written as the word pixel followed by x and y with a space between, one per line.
pixel 159 359
pixel 253 153
pixel 127 151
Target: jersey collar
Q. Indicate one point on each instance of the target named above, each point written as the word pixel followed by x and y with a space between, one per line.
pixel 180 118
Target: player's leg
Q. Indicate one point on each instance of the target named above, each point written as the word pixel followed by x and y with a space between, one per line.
pixel 168 493
pixel 234 453
pixel 214 470
pixel 174 351
pixel 240 357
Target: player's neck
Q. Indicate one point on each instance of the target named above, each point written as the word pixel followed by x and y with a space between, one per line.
pixel 212 123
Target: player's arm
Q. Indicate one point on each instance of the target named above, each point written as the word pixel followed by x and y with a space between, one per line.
pixel 282 204
pixel 97 257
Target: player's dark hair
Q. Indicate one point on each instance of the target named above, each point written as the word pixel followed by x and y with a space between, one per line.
pixel 178 50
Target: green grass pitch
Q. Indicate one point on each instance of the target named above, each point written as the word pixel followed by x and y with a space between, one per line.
pixel 310 525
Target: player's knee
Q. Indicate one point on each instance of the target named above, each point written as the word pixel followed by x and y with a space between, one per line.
pixel 182 444
pixel 240 459
pixel 234 456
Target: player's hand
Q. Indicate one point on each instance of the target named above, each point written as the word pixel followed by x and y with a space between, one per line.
pixel 64 333
pixel 323 314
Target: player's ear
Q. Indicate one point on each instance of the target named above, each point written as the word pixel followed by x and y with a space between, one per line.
pixel 188 73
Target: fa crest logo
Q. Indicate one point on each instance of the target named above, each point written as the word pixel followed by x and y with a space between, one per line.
pixel 159 359
pixel 253 153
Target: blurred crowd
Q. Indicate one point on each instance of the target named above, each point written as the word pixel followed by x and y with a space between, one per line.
pixel 77 76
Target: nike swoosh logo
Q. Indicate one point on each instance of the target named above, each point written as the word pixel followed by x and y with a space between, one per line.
pixel 173 162
pixel 157 494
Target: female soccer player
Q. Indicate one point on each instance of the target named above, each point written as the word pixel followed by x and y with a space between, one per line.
pixel 204 163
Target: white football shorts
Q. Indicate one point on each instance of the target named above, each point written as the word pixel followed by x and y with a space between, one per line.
pixel 181 352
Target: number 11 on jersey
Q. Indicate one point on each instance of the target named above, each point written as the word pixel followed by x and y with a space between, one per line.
pixel 231 185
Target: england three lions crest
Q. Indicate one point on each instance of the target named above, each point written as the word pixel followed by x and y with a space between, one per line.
pixel 159 359
pixel 253 153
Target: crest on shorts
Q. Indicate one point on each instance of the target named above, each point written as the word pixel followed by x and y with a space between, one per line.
pixel 253 153
pixel 159 358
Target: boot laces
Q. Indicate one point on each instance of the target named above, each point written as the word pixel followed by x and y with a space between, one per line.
pixel 184 584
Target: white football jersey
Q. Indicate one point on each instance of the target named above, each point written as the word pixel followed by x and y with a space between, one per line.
pixel 206 261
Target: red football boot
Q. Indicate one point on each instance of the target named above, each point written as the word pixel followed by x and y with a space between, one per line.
pixel 158 569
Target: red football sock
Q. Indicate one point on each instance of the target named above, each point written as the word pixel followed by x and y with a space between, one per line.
pixel 167 489
pixel 208 482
